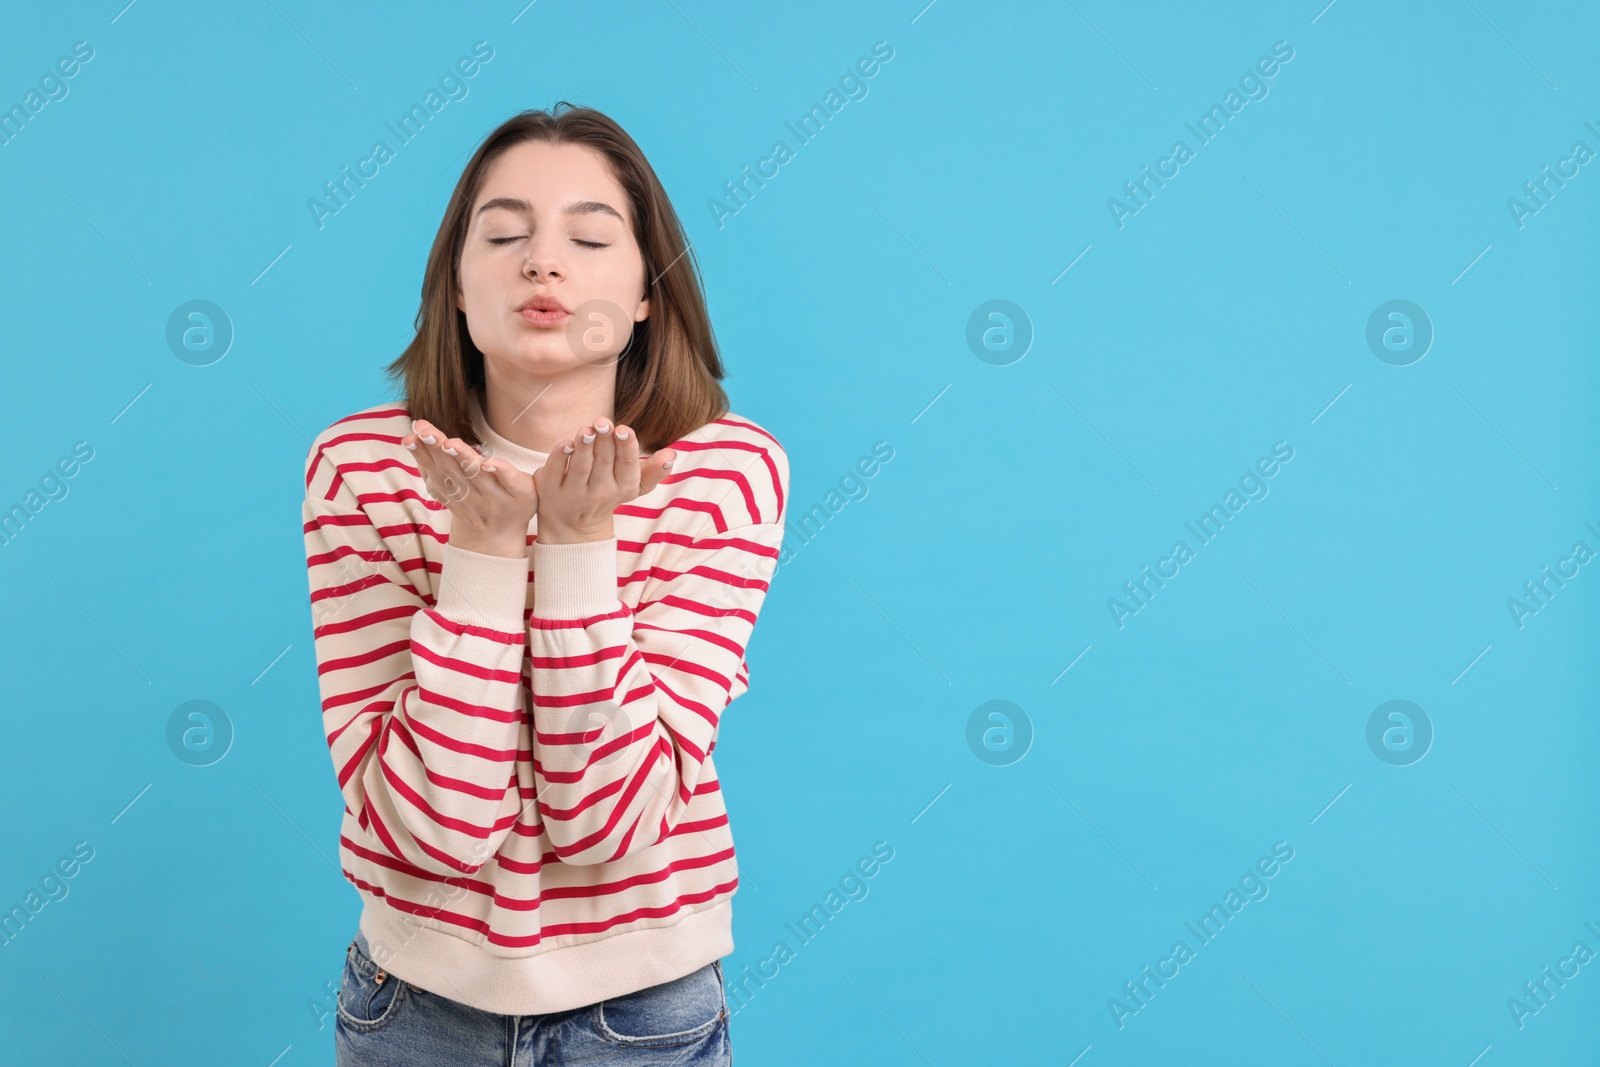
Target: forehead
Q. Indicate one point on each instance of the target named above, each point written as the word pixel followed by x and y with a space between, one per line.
pixel 549 178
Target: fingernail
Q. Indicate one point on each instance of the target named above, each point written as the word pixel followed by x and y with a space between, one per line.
pixel 622 435
pixel 668 464
pixel 566 448
pixel 430 440
pixel 587 438
pixel 450 451
pixel 412 446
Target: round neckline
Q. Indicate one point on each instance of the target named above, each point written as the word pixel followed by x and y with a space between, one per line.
pixel 523 458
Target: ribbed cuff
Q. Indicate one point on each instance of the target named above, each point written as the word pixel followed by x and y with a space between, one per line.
pixel 483 590
pixel 575 581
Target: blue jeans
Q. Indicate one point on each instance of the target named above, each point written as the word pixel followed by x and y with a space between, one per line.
pixel 383 1019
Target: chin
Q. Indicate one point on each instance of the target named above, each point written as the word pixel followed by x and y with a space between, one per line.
pixel 543 356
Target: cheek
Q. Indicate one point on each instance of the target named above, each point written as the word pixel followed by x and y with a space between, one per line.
pixel 624 281
pixel 479 285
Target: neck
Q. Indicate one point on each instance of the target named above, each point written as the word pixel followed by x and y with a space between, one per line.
pixel 542 412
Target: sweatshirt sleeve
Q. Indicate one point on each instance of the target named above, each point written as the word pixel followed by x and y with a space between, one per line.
pixel 422 704
pixel 626 703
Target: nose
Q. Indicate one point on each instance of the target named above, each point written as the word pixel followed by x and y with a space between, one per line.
pixel 541 261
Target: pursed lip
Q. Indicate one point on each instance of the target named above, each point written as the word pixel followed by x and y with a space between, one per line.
pixel 543 302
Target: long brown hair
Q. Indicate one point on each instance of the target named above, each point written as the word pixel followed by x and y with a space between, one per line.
pixel 669 377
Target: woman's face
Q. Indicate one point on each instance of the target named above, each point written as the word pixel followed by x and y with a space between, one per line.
pixel 551 221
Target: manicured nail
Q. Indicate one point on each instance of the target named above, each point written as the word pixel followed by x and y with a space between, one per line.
pixel 603 426
pixel 566 448
pixel 668 464
pixel 450 451
pixel 430 440
pixel 622 435
pixel 412 446
pixel 588 438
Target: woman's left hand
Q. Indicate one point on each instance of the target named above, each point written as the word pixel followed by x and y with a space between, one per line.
pixel 579 490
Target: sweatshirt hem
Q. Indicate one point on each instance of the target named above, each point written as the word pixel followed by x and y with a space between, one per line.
pixel 557 979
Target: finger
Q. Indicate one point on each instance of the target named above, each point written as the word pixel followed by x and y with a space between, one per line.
pixel 605 455
pixel 445 477
pixel 508 476
pixel 604 447
pixel 470 461
pixel 580 461
pixel 547 477
pixel 424 440
pixel 514 481
pixel 424 457
pixel 425 432
pixel 654 471
pixel 627 462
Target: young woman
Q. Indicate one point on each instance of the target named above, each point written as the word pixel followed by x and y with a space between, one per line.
pixel 533 581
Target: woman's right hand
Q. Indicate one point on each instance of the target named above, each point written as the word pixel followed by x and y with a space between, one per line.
pixel 491 502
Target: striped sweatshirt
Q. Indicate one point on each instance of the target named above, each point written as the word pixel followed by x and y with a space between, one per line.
pixel 532 817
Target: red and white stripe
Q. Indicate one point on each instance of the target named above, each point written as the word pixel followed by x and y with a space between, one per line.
pixel 525 752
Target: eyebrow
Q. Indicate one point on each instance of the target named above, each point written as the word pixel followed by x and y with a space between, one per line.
pixel 575 207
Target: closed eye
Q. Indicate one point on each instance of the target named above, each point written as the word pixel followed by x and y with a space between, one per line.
pixel 508 240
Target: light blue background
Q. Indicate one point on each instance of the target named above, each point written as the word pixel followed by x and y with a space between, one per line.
pixel 1224 316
